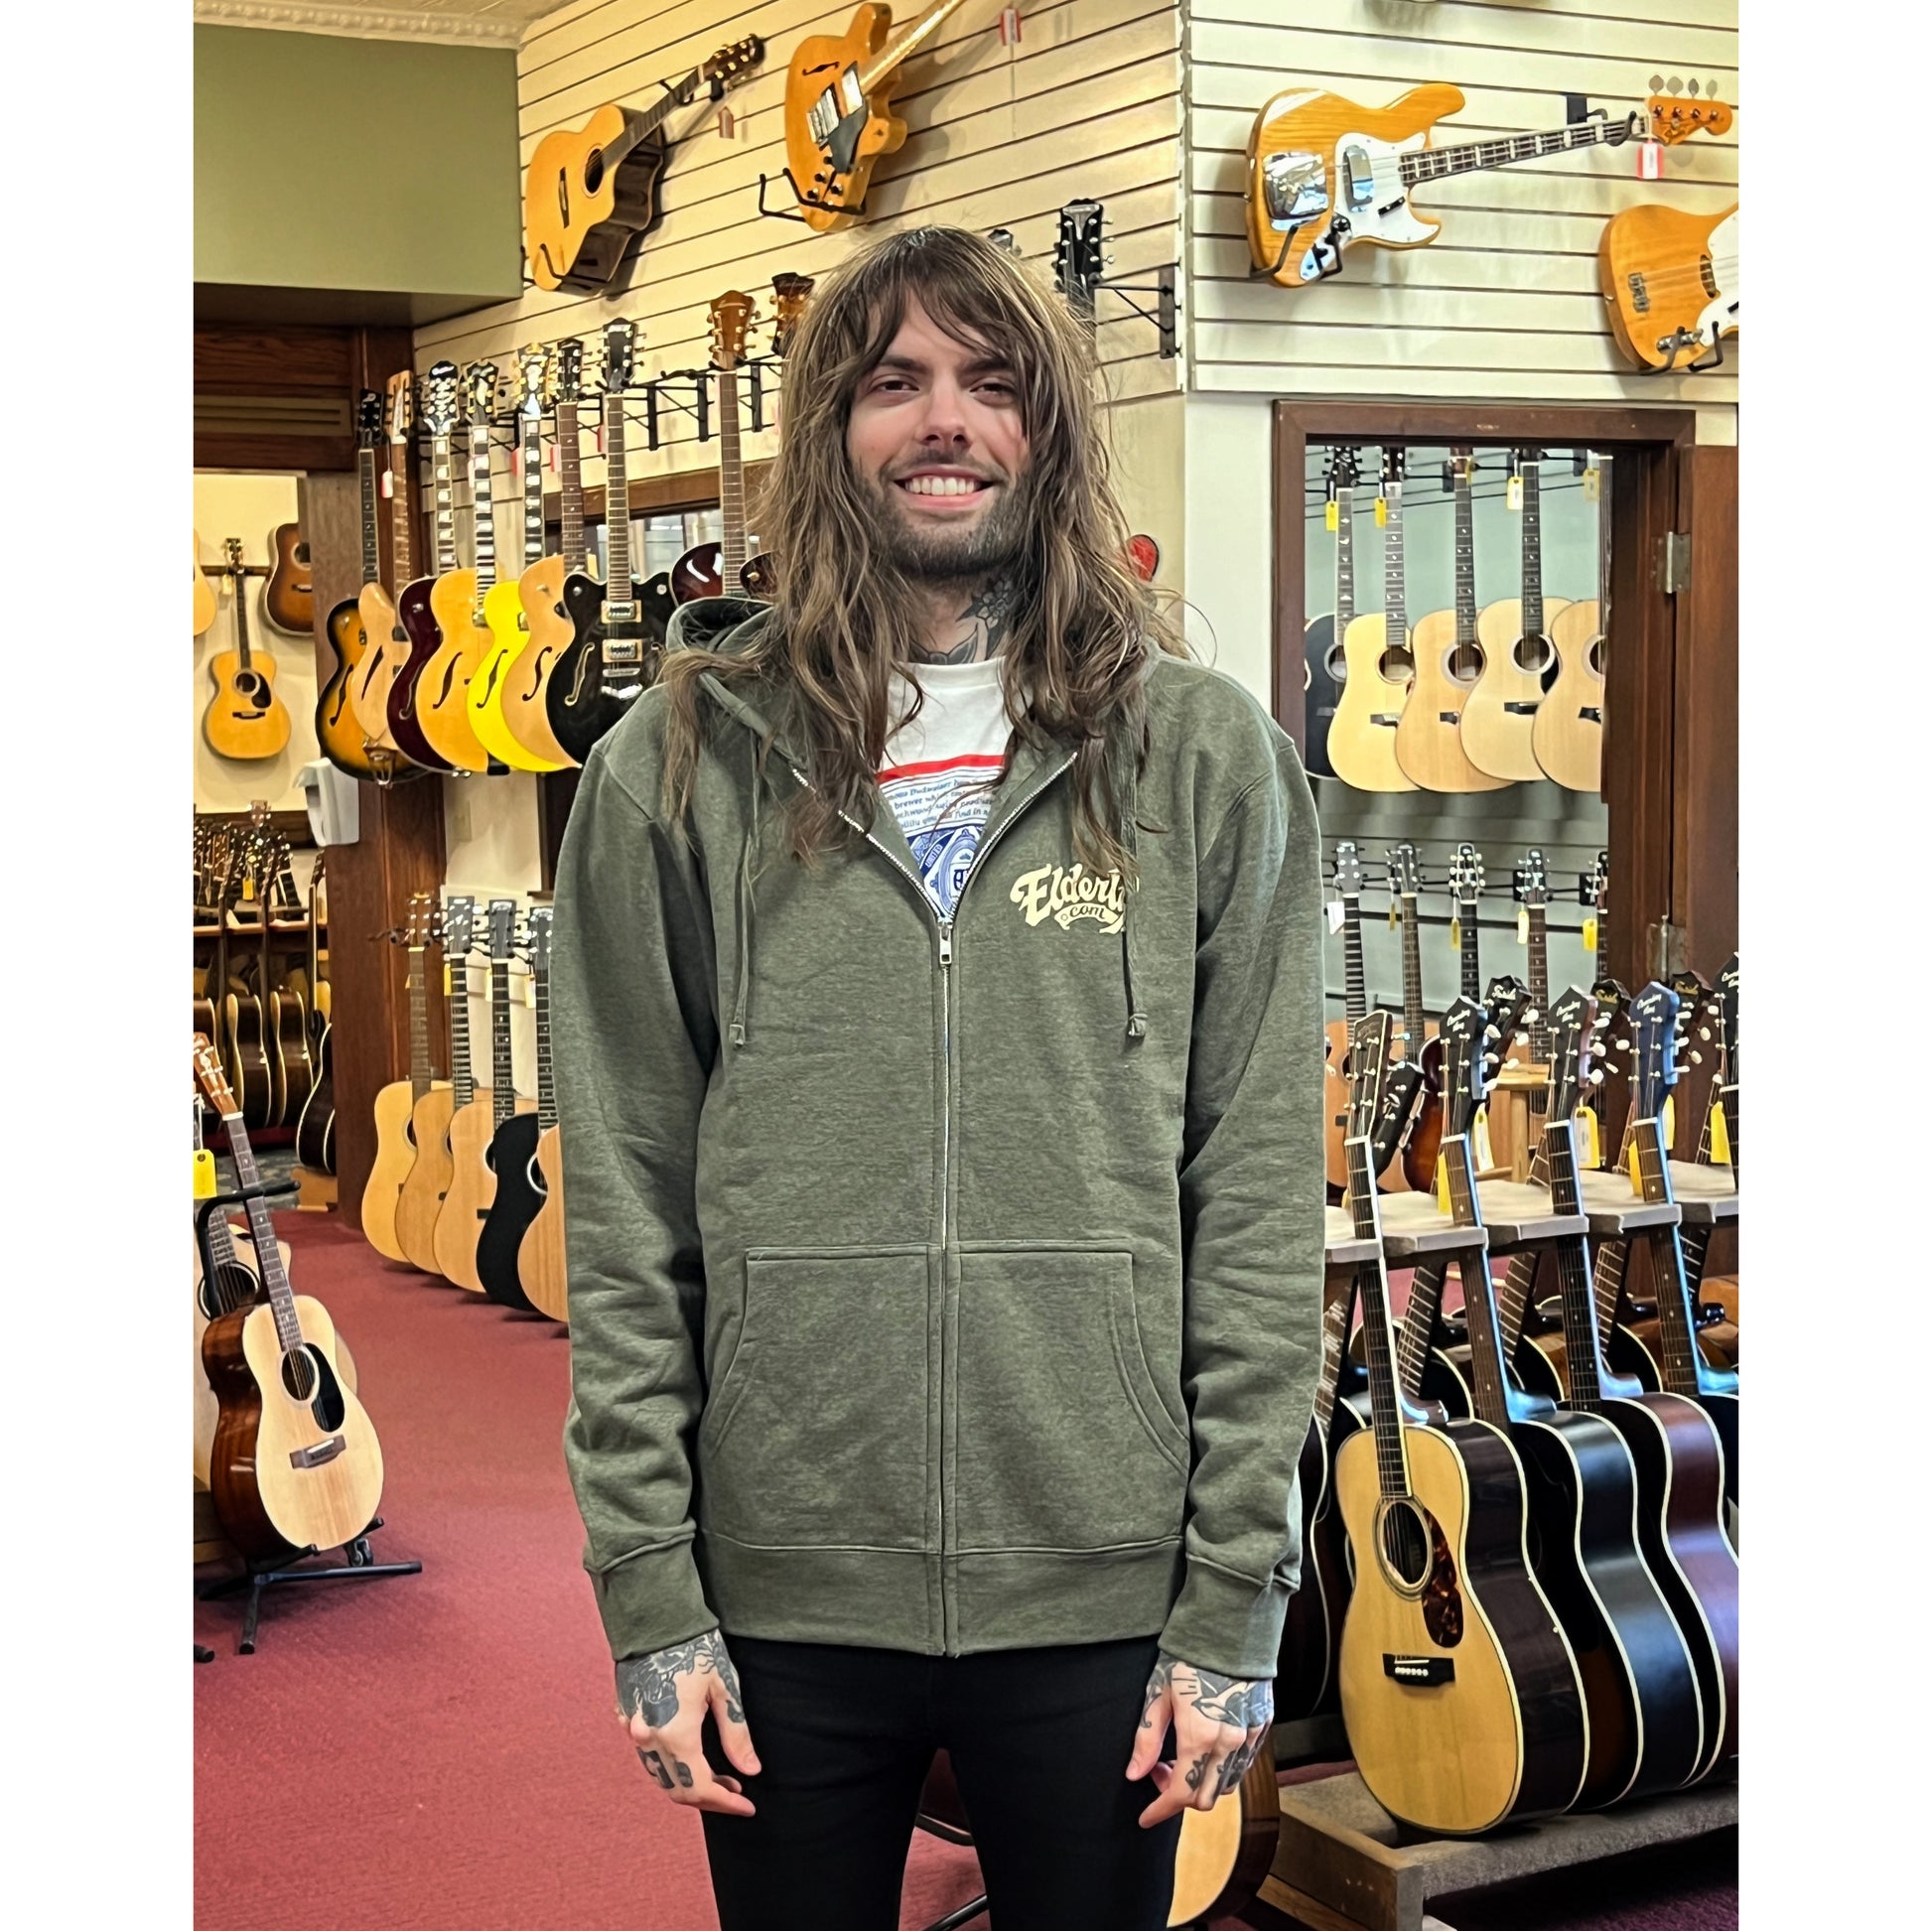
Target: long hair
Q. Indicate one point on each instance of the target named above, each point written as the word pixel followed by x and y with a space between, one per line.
pixel 1083 627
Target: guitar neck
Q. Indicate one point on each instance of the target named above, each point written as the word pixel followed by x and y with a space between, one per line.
pixel 1467 909
pixel 1388 1409
pixel 399 512
pixel 1344 561
pixel 546 1091
pixel 268 1257
pixel 616 502
pixel 570 487
pixel 1465 563
pixel 1532 548
pixel 1539 979
pixel 419 1067
pixel 1582 1343
pixel 502 1091
pixel 908 44
pixel 483 514
pixel 532 460
pixel 443 481
pixel 1417 1334
pixel 1395 597
pixel 1436 164
pixel 1684 1370
pixel 731 478
pixel 641 124
pixel 1412 1013
pixel 1356 976
pixel 242 616
pixel 1496 1401
pixel 366 485
pixel 1335 1317
pixel 462 1076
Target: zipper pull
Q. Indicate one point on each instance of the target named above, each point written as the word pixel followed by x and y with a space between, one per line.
pixel 946 942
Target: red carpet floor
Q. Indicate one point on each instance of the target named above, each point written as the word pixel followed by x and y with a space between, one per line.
pixel 438 1752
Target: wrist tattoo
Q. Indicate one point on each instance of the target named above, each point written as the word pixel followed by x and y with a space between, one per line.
pixel 648 1686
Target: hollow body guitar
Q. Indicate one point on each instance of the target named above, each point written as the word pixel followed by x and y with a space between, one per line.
pixel 1379 665
pixel 338 729
pixel 415 607
pixel 425 1186
pixel 387 649
pixel 520 1184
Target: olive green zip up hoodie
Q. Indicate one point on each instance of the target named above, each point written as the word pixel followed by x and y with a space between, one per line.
pixel 943 1285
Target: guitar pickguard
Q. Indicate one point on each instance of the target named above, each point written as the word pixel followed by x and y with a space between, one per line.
pixel 1366 189
pixel 1441 1597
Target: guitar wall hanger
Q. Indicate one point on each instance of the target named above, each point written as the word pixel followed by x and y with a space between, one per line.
pixel 1163 315
pixel 855 209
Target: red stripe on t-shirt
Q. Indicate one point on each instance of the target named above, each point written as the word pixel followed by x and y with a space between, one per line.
pixel 940 765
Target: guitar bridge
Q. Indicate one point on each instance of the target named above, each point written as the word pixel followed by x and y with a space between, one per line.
pixel 1425 1672
pixel 1293 188
pixel 322 1452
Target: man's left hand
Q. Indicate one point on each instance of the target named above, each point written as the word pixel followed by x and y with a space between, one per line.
pixel 1219 1723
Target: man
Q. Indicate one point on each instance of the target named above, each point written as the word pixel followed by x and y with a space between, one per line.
pixel 936 1008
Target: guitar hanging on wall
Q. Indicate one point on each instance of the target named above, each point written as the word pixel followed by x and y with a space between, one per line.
pixel 339 731
pixel 1375 649
pixel 705 569
pixel 244 718
pixel 289 602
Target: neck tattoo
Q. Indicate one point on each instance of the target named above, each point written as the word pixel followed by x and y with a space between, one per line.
pixel 983 626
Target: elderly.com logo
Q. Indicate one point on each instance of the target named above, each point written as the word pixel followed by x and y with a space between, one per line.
pixel 1064 894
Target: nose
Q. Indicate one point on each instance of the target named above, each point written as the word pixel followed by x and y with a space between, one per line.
pixel 943 422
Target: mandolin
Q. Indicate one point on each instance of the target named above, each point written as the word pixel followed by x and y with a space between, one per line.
pixel 1325 173
pixel 420 1200
pixel 520 1184
pixel 295 1464
pixel 422 633
pixel 1323 666
pixel 244 718
pixel 395 1149
pixel 1567 733
pixel 204 593
pixel 1375 650
pixel 1447 661
pixel 705 569
pixel 839 115
pixel 289 600
pixel 474 1127
pixel 457 601
pixel 502 604
pixel 338 729
pixel 388 652
pixel 591 190
pixel 1499 715
pixel 619 625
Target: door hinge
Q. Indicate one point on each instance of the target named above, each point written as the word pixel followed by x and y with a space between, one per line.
pixel 1673 561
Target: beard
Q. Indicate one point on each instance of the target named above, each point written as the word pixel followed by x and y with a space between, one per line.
pixel 931 551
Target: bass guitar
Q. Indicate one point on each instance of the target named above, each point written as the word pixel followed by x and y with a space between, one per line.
pixel 705 569
pixel 1567 733
pixel 339 731
pixel 388 643
pixel 591 190
pixel 289 600
pixel 520 1183
pixel 415 612
pixel 244 718
pixel 395 1149
pixel 1325 668
pixel 427 1182
pixel 295 1463
pixel 1380 665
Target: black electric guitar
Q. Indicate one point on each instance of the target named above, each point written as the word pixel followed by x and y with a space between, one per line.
pixel 520 1191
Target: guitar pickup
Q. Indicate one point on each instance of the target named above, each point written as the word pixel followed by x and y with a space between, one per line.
pixel 1422 1671
pixel 320 1453
pixel 620 612
pixel 619 653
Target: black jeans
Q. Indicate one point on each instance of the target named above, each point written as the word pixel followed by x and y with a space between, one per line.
pixel 1039 1740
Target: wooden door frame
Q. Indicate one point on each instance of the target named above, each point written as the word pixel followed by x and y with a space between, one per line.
pixel 1672 801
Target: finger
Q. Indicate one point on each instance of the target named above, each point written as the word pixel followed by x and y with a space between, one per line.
pixel 734 1733
pixel 1172 1801
pixel 690 1782
pixel 1148 1738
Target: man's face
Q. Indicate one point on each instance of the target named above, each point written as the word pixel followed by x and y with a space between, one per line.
pixel 935 437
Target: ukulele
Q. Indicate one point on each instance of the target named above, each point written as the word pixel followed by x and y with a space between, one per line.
pixel 619 625
pixel 427 1183
pixel 295 1463
pixel 1324 174
pixel 457 602
pixel 503 603
pixel 388 643
pixel 1566 732
pixel 591 189
pixel 395 1149
pixel 1459 1689
pixel 520 1184
pixel 1448 660
pixel 705 569
pixel 551 586
pixel 289 600
pixel 839 115
pixel 415 612
pixel 244 718
pixel 339 731
pixel 204 593
pixel 314 1130
pixel 472 1127
pixel 1323 666
pixel 1375 650
pixel 1499 715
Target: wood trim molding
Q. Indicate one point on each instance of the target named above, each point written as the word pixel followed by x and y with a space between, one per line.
pixel 378 23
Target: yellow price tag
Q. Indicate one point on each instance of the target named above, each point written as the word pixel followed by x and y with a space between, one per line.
pixel 1637 1172
pixel 1522 925
pixel 1592 1138
pixel 1381 513
pixel 530 993
pixel 1589 935
pixel 1667 1118
pixel 1335 516
pixel 1479 1140
pixel 1456 935
pixel 1720 1138
pixel 1593 483
pixel 449 978
pixel 1513 495
pixel 247 888
pixel 1395 914
pixel 1441 1187
pixel 204 1174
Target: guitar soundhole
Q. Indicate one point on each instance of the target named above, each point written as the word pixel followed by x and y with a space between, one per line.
pixel 1336 664
pixel 1594 656
pixel 298 1375
pixel 248 684
pixel 1404 1546
pixel 1396 666
pixel 1533 657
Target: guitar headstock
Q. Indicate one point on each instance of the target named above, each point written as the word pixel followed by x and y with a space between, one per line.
pixel 459 927
pixel 532 372
pixel 1593 887
pixel 1344 469
pixel 1727 996
pixel 1508 1002
pixel 539 938
pixel 368 420
pixel 730 322
pixel 1653 1035
pixel 479 394
pixel 502 930
pixel 420 927
pixel 1404 875
pixel 1467 1070
pixel 732 65
pixel 1673 117
pixel 402 407
pixel 1465 876
pixel 789 295
pixel 440 399
pixel 1077 256
pixel 566 371
pixel 1348 869
pixel 1395 462
pixel 1573 1026
pixel 620 342
pixel 1533 878
pixel 232 546
pixel 214 1078
pixel 1368 1056
pixel 1459 471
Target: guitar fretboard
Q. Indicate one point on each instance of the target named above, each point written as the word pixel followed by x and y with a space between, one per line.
pixel 533 491
pixel 1412 1013
pixel 502 1095
pixel 1532 473
pixel 419 1065
pixel 484 520
pixel 1684 1369
pixel 462 1073
pixel 570 485
pixel 1433 164
pixel 366 485
pixel 268 1257
pixel 731 479
pixel 1334 1349
pixel 617 499
pixel 1466 562
pixel 1583 1344
pixel 1378 1329
pixel 399 512
pixel 1539 978
pixel 1395 601
pixel 1354 975
pixel 443 485
pixel 546 1090
pixel 1465 912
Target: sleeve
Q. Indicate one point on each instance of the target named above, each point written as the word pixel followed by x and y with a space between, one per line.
pixel 633 1036
pixel 1253 1201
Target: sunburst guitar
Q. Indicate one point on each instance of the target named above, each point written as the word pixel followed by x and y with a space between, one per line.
pixel 388 647
pixel 338 728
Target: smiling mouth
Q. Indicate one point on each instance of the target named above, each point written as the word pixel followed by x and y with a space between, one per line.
pixel 931 488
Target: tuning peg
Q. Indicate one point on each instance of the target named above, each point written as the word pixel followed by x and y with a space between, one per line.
pixel 1656 83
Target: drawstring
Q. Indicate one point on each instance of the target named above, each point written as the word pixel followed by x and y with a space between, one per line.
pixel 1135 1018
pixel 747 868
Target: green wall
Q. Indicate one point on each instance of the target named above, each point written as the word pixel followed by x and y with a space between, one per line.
pixel 326 162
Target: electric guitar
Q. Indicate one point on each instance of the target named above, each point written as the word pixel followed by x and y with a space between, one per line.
pixel 591 189
pixel 1323 667
pixel 1449 660
pixel 244 718
pixel 503 603
pixel 1375 649
pixel 339 731
pixel 1325 172
pixel 705 569
pixel 295 1463
pixel 395 1149
pixel 1499 715
pixel 388 643
pixel 514 1152
pixel 839 115
pixel 1567 733
pixel 427 1182
pixel 415 611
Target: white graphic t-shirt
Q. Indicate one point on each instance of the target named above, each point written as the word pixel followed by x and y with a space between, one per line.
pixel 941 769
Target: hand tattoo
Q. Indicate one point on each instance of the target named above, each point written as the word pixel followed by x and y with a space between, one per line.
pixel 1156 1684
pixel 647 1685
pixel 1245 1708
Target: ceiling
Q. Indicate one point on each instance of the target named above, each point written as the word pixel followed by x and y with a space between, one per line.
pixel 453 20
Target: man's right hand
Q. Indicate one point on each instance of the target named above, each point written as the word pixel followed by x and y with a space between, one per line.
pixel 662 1698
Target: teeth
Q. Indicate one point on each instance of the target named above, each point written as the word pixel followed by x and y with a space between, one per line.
pixel 941 486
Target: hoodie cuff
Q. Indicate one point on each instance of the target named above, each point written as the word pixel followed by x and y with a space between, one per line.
pixel 1226 1622
pixel 652 1601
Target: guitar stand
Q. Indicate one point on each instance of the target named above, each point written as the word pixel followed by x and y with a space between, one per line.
pixel 804 201
pixel 260 1575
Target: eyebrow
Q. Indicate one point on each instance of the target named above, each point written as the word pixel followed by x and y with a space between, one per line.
pixel 911 365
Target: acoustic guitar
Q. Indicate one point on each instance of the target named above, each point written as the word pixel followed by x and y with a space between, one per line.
pixel 424 1188
pixel 245 1037
pixel 204 593
pixel 244 718
pixel 1325 668
pixel 1325 173
pixel 295 1463
pixel 395 1149
pixel 422 633
pixel 1376 649
pixel 314 1129
pixel 520 1184
pixel 457 601
pixel 1448 660
pixel 591 190
pixel 503 603
pixel 387 649
pixel 1499 715
pixel 339 731
pixel 839 115
pixel 707 567
pixel 289 600
pixel 1567 733
pixel 552 585
pixel 291 1062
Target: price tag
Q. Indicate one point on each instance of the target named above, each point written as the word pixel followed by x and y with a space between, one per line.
pixel 1479 1140
pixel 204 1174
pixel 726 120
pixel 1008 26
pixel 529 992
pixel 1522 925
pixel 1443 1205
pixel 1589 935
pixel 247 889
pixel 1514 495
pixel 1637 1172
pixel 1456 935
pixel 449 977
pixel 1337 913
pixel 1650 161
pixel 1720 1138
pixel 1592 1138
pixel 388 484
pixel 1381 513
pixel 1395 916
pixel 1334 516
pixel 1593 483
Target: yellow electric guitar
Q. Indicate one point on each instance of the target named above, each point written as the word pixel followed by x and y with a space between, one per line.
pixel 456 601
pixel 1375 649
pixel 502 604
pixel 244 718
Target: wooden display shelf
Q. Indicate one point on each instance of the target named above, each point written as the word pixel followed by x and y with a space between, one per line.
pixel 1344 1864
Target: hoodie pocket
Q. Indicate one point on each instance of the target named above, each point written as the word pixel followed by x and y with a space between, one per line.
pixel 1062 1440
pixel 816 1434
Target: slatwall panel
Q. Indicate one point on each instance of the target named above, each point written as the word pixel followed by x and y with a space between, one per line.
pixel 1503 306
pixel 1086 105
